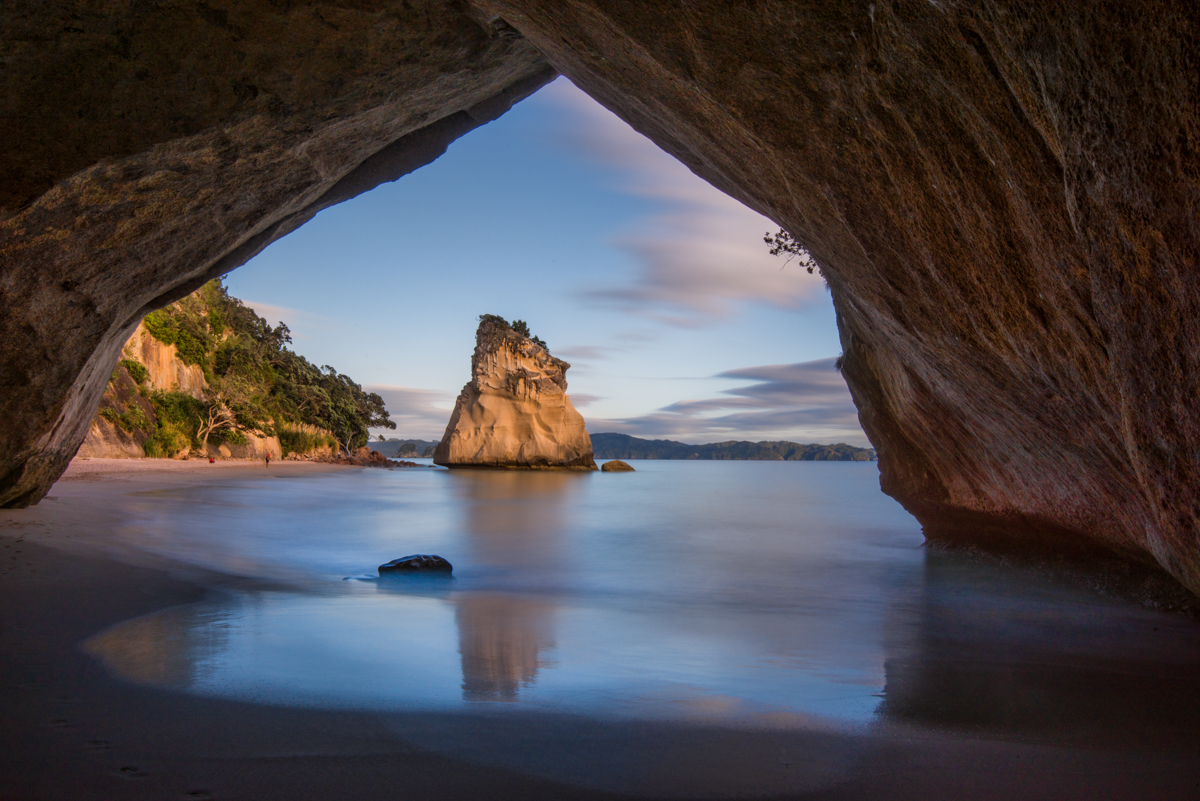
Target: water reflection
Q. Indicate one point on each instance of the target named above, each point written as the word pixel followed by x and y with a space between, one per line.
pixel 173 648
pixel 714 592
pixel 501 639
pixel 515 522
pixel 1010 651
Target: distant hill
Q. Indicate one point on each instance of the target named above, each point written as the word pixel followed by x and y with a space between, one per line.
pixel 391 448
pixel 623 446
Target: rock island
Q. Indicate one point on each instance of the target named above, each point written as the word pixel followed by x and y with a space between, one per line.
pixel 514 412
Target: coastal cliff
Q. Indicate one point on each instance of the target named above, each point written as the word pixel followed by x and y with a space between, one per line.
pixel 514 412
pixel 207 377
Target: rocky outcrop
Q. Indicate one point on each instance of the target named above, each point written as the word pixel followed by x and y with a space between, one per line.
pixel 167 371
pixel 616 466
pixel 255 447
pixel 514 412
pixel 1001 194
pixel 148 148
pixel 417 563
pixel 124 421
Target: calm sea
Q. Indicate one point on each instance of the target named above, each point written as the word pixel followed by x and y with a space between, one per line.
pixel 738 593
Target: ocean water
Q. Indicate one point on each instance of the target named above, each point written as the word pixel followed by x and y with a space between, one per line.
pixel 781 595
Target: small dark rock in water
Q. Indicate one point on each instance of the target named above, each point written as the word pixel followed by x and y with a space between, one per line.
pixel 616 466
pixel 417 563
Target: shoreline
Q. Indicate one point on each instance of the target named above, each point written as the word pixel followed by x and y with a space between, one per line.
pixel 71 730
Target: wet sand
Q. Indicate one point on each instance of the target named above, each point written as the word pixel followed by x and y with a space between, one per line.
pixel 70 730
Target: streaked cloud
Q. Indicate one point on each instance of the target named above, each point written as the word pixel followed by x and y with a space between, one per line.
pixel 804 402
pixel 417 413
pixel 583 353
pixel 580 400
pixel 700 257
pixel 297 320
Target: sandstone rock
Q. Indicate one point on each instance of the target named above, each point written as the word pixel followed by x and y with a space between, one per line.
pixel 417 563
pixel 109 440
pixel 514 412
pixel 132 176
pixel 616 466
pixel 1001 195
pixel 167 371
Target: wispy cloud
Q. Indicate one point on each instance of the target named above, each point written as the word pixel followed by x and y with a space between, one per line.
pixel 580 400
pixel 803 402
pixel 417 413
pixel 700 257
pixel 585 353
pixel 297 320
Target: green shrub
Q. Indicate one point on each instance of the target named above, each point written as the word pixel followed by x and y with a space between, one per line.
pixel 137 371
pixel 166 442
pixel 130 420
pixel 230 435
pixel 178 420
pixel 293 440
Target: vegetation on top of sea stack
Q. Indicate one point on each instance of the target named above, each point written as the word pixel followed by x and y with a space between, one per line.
pixel 256 383
pixel 518 326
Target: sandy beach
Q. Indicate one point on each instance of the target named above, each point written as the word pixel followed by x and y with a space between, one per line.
pixel 71 730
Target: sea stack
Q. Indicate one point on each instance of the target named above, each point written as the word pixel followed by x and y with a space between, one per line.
pixel 514 412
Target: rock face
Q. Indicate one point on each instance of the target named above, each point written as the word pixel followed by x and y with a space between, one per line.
pixel 121 404
pixel 514 412
pixel 167 370
pixel 417 563
pixel 1002 195
pixel 149 148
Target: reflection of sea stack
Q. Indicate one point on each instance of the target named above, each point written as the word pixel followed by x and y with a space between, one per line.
pixel 500 640
pixel 514 412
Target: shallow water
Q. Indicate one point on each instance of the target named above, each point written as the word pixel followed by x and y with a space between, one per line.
pixel 755 594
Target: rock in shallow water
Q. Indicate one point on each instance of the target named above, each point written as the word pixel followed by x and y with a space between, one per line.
pixel 514 413
pixel 616 466
pixel 417 563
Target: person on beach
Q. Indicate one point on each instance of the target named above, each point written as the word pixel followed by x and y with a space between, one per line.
pixel 266 458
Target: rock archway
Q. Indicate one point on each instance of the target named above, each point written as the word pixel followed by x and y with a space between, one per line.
pixel 1002 195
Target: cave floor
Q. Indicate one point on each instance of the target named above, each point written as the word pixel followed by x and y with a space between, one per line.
pixel 72 731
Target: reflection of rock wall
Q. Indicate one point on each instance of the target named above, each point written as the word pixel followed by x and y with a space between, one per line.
pixel 514 412
pixel 1008 651
pixel 500 639
pixel 161 649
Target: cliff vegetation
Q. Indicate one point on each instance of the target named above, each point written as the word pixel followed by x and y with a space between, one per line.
pixel 253 386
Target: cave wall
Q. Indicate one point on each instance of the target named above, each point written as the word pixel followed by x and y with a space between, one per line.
pixel 149 147
pixel 1003 199
pixel 1002 195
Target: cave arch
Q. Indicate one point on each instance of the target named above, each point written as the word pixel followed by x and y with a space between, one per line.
pixel 1003 196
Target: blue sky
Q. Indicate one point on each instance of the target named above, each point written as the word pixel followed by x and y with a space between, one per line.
pixel 656 287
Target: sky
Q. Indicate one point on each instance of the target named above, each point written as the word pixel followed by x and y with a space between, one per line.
pixel 656 287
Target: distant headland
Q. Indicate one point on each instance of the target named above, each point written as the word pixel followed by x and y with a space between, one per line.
pixel 623 446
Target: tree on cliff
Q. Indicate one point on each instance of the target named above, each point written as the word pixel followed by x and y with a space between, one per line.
pixel 783 243
pixel 258 382
pixel 518 326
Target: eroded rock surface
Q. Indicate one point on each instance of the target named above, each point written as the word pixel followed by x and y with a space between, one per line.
pixel 1002 195
pixel 514 412
pixel 150 147
pixel 417 563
